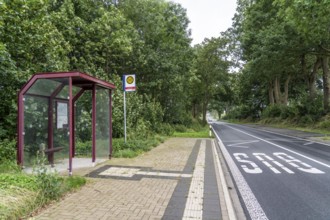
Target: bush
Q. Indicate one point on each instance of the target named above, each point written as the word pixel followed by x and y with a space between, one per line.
pixel 289 112
pixel 241 112
pixel 180 128
pixel 165 129
pixel 9 166
pixel 324 125
pixel 8 149
pixel 83 148
pixel 272 111
pixel 48 183
pixel 311 107
pixel 306 120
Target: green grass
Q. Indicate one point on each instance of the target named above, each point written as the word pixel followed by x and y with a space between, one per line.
pixel 204 133
pixel 134 147
pixel 21 194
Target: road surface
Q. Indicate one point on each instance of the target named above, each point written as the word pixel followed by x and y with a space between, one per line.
pixel 277 176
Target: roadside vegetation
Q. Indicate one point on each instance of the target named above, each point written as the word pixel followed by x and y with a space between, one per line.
pixel 22 194
pixel 270 67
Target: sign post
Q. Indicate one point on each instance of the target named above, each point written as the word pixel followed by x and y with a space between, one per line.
pixel 128 86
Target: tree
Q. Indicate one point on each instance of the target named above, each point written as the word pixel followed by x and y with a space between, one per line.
pixel 162 27
pixel 211 71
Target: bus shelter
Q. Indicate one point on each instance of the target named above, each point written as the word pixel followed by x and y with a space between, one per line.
pixel 53 107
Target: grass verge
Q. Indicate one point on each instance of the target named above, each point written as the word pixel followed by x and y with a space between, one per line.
pixel 22 194
pixel 189 133
pixel 134 147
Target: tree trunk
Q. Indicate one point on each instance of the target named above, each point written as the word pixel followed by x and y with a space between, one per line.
pixel 326 83
pixel 312 79
pixel 204 111
pixel 286 91
pixel 277 91
pixel 271 94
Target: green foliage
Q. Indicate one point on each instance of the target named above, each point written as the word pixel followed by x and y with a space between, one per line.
pixel 165 129
pixel 180 128
pixel 8 149
pixel 240 112
pixel 72 182
pixel 272 111
pixel 9 166
pixel 306 120
pixel 83 148
pixel 48 183
pixel 134 147
pixel 289 112
pixel 324 125
pixel 18 180
pixel 310 107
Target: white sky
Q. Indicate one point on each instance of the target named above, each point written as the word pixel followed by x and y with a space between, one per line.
pixel 208 17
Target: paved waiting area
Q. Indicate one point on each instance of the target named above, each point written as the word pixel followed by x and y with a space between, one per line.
pixel 176 180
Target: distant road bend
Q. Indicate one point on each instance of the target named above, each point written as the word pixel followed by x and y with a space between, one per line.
pixel 277 176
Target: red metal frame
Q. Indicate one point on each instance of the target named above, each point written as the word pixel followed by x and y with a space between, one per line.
pixel 93 123
pixel 75 79
pixel 110 123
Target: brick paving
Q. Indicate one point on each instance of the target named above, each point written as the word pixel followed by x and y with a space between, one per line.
pixel 168 182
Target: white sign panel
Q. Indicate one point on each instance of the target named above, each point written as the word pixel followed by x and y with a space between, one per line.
pixel 129 83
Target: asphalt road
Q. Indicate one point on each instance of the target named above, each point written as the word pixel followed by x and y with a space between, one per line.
pixel 277 176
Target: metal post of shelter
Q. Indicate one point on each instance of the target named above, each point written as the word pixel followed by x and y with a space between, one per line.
pixel 110 124
pixel 70 126
pixel 93 123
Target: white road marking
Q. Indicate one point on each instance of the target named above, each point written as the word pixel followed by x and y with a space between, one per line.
pixel 248 142
pixel 130 172
pixel 308 143
pixel 240 146
pixel 241 157
pixel 295 163
pixel 194 203
pixel 251 202
pixel 276 145
pixel 260 155
pixel 228 201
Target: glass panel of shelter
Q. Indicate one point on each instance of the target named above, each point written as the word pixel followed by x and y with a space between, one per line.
pixel 41 115
pixel 102 123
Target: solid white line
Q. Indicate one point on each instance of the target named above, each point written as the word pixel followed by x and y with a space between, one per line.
pixel 284 135
pixel 251 202
pixel 276 145
pixel 229 204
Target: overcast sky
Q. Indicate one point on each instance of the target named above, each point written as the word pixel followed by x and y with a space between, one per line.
pixel 208 17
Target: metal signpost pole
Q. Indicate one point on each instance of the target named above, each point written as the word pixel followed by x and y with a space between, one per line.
pixel 125 115
pixel 128 86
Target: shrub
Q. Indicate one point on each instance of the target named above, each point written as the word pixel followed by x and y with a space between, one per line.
pixel 8 149
pixel 180 128
pixel 272 111
pixel 311 107
pixel 165 129
pixel 324 125
pixel 83 148
pixel 306 120
pixel 48 183
pixel 289 112
pixel 9 166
